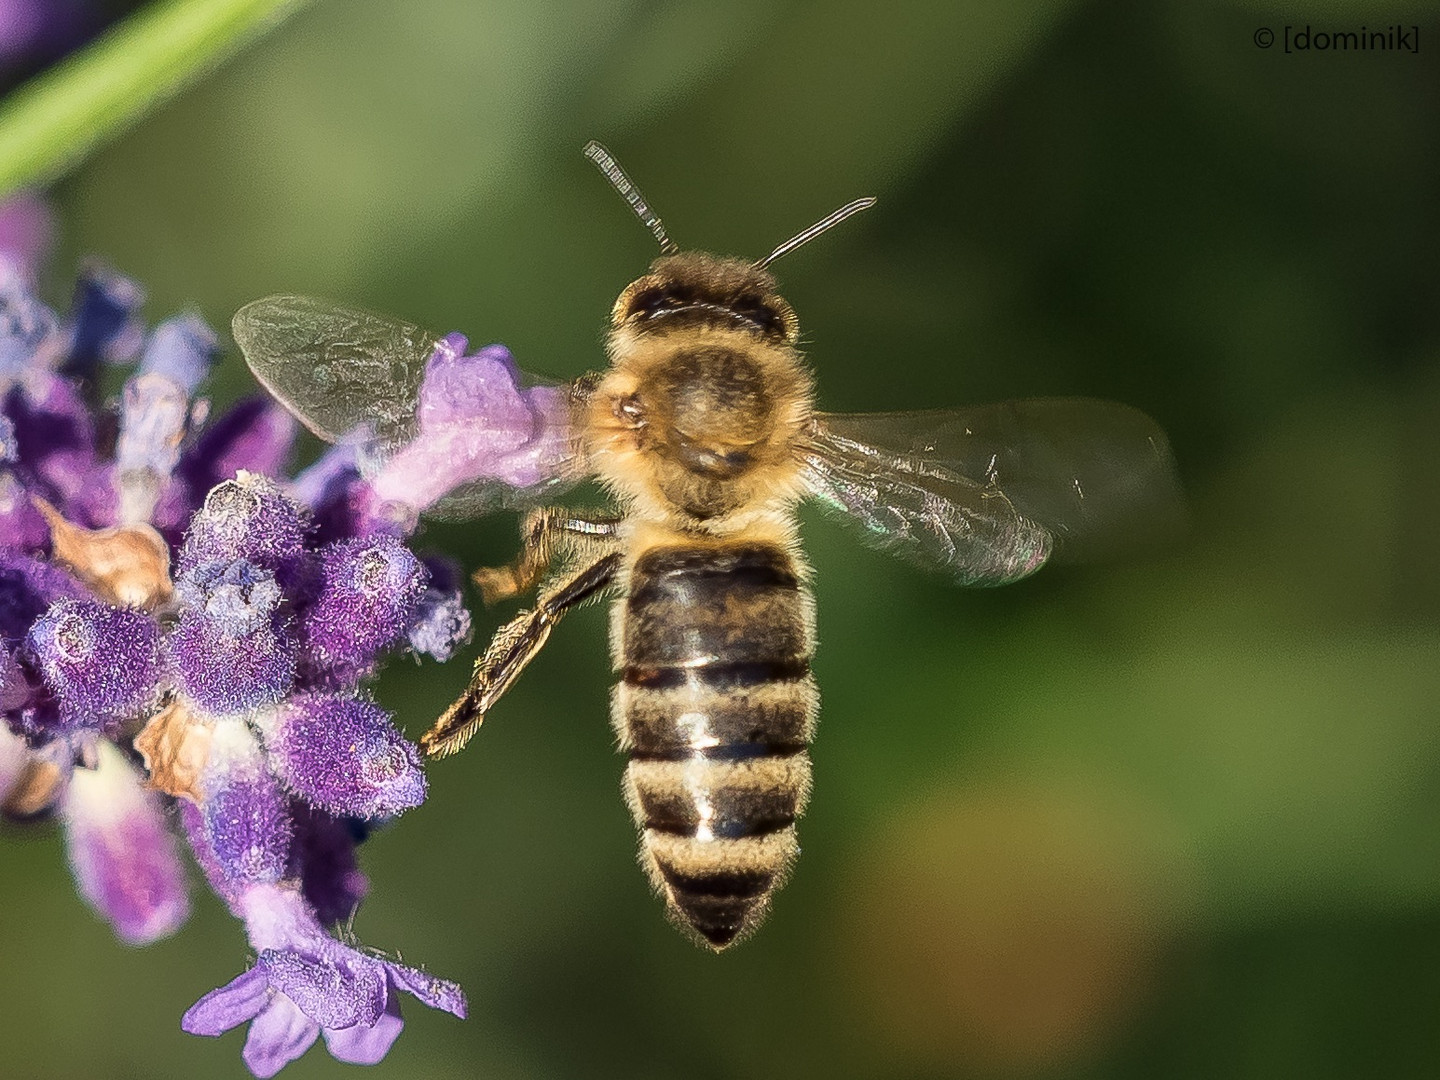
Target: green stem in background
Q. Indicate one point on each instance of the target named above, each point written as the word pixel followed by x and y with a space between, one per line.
pixel 55 119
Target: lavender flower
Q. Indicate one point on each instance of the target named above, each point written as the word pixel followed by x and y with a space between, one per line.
pixel 183 603
pixel 305 983
pixel 526 435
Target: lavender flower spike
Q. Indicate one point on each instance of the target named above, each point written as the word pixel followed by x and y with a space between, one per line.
pixel 171 603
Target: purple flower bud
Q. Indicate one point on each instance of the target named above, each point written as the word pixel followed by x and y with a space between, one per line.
pixel 34 32
pixel 368 592
pixel 345 757
pixel 21 526
pixel 27 587
pixel 255 435
pixel 28 332
pixel 246 815
pixel 15 688
pixel 322 856
pixel 100 662
pixel 55 432
pixel 180 350
pixel 26 225
pixel 475 422
pixel 232 654
pixel 104 319
pixel 193 822
pixel 121 851
pixel 246 518
pixel 237 596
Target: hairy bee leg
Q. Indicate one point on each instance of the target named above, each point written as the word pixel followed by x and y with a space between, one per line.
pixel 541 533
pixel 513 647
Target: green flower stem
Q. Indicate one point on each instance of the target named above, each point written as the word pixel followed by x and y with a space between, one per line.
pixel 54 120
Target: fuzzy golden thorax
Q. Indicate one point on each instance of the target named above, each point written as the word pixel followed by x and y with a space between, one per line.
pixel 697 418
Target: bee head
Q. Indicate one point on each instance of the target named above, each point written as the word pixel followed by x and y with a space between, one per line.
pixel 691 289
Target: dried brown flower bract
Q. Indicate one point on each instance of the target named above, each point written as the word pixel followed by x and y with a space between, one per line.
pixel 175 747
pixel 128 565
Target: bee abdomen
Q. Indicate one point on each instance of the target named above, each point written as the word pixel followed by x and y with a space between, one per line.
pixel 716 705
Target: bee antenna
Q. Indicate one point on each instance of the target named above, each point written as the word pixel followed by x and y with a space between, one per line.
pixel 631 194
pixel 802 238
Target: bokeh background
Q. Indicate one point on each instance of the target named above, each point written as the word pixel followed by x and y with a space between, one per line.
pixel 1178 817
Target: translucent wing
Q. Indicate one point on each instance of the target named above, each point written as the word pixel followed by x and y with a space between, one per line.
pixel 990 493
pixel 347 374
pixel 454 436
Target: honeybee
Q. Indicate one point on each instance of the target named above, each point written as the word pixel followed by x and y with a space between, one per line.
pixel 704 431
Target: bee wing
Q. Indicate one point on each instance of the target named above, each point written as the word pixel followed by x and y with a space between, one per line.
pixel 354 377
pixel 485 496
pixel 349 375
pixel 990 493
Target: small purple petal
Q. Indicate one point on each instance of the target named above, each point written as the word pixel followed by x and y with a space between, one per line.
pixel 430 990
pixel 246 518
pixel 104 319
pixel 369 589
pixel 122 852
pixel 278 1036
pixel 345 757
pixel 362 1045
pixel 441 625
pixel 193 823
pixel 100 662
pixel 457 388
pixel 476 423
pixel 327 478
pixel 239 1000
pixel 336 991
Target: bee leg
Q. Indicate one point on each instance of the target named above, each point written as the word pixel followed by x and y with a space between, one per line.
pixel 540 533
pixel 514 646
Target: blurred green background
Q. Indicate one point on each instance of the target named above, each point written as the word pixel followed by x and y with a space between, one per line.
pixel 1176 818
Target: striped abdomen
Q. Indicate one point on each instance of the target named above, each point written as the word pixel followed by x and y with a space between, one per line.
pixel 716 705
